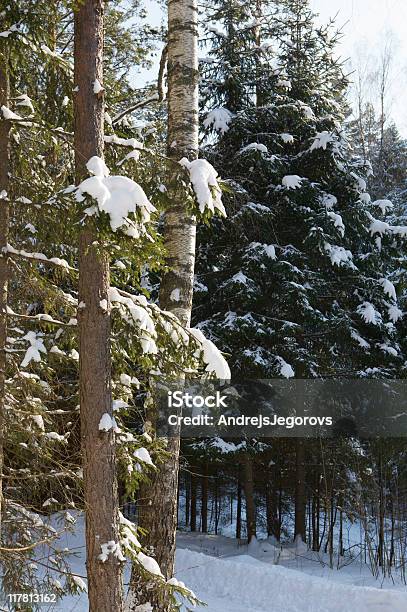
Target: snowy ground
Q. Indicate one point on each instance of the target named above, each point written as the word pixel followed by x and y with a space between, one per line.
pixel 231 577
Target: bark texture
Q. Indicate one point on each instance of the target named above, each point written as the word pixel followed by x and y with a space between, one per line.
pixel 4 229
pixel 248 486
pixel 98 450
pixel 300 491
pixel 158 513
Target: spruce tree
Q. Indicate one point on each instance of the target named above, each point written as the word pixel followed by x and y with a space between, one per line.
pixel 294 281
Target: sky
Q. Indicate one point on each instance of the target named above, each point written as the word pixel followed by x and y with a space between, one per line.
pixel 365 24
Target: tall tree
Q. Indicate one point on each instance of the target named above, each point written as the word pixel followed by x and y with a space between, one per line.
pixel 158 509
pixel 4 230
pixel 98 448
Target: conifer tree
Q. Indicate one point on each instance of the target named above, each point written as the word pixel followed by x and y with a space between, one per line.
pixel 296 281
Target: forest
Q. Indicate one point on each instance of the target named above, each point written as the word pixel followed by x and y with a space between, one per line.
pixel 216 204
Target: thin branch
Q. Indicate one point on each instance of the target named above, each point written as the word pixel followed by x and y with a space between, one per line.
pixel 139 104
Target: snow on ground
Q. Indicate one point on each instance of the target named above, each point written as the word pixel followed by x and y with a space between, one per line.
pixel 232 577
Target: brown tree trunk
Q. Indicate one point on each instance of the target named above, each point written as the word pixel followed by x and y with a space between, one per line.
pixel 300 496
pixel 98 448
pixel 179 238
pixel 249 495
pixel 193 502
pixel 239 505
pixel 4 229
pixel 187 500
pixel 273 523
pixel 204 499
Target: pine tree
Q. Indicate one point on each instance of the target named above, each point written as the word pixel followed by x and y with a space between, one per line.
pixel 4 230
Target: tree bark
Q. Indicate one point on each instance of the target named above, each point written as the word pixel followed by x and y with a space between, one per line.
pixel 239 505
pixel 204 499
pixel 300 497
pixel 179 239
pixel 98 448
pixel 4 230
pixel 273 523
pixel 193 502
pixel 249 495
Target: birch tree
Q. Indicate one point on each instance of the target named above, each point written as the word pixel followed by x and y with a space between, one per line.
pixel 99 460
pixel 158 510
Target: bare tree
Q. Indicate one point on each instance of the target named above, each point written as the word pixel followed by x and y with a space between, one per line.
pixel 98 448
pixel 158 507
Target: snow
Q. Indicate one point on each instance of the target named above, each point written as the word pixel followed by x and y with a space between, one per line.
pixel 239 278
pixel 229 577
pixel 149 564
pixel 378 227
pixel 287 138
pixel 142 454
pixel 390 350
pixel 270 250
pixel 80 583
pixel 124 142
pixel 38 420
pixel 96 166
pixel 292 181
pixel 361 341
pixel 175 295
pixel 57 261
pixel 25 100
pixel 118 196
pixel 255 146
pixel 285 369
pixel 136 306
pixel 329 200
pixel 368 312
pixel 35 349
pixel 97 87
pixel 339 255
pixel 103 305
pixel 219 119
pixel 204 179
pixel 388 288
pixel 307 110
pixel 284 83
pixel 9 115
pixel 337 219
pixel 244 583
pixel 110 548
pixel 215 362
pixel 322 139
pixel 384 205
pixel 106 422
pixel 394 313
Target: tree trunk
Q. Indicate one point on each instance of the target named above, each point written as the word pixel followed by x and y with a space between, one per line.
pixel 249 495
pixel 300 496
pixel 273 523
pixel 179 239
pixel 204 499
pixel 4 229
pixel 193 502
pixel 98 448
pixel 187 499
pixel 239 505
